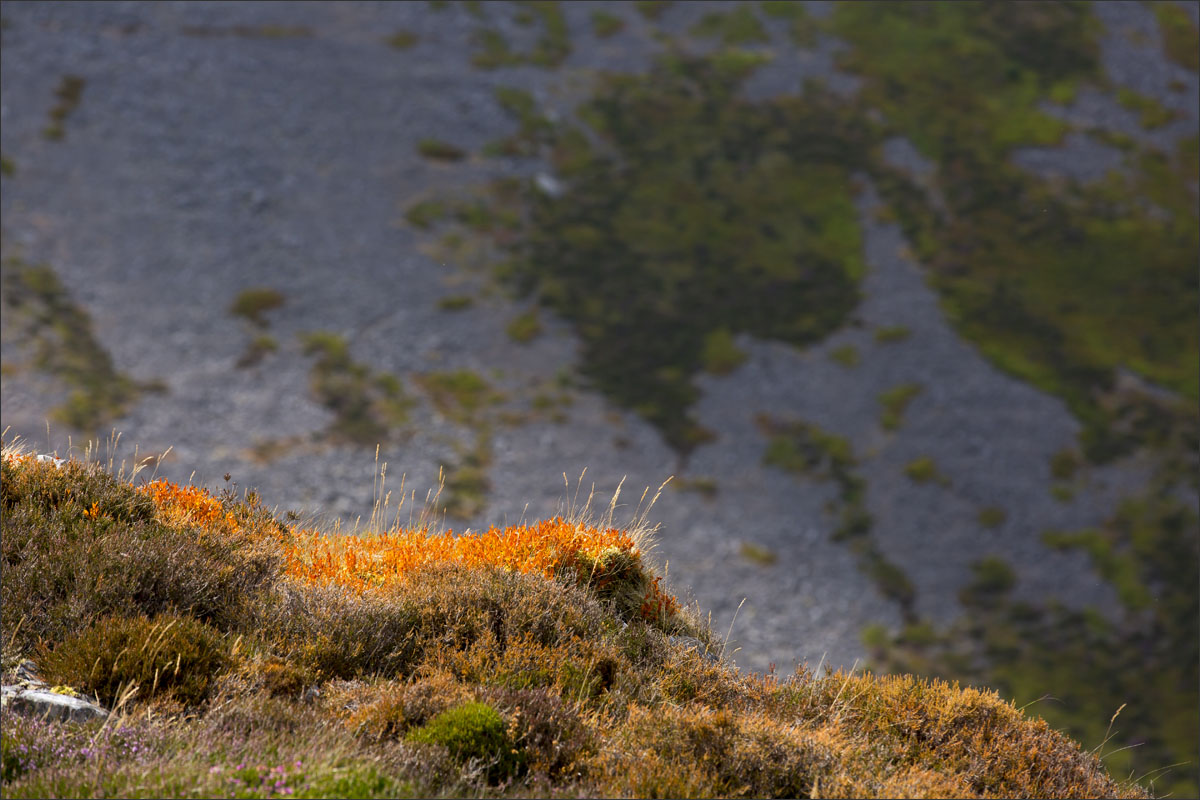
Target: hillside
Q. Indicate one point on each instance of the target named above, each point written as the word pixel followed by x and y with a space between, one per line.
pixel 245 656
pixel 903 295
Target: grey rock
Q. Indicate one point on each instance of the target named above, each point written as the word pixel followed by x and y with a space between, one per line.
pixel 50 705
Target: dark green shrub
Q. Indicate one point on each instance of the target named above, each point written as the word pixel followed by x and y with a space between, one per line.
pixel 473 731
pixel 253 303
pixel 438 150
pixel 168 655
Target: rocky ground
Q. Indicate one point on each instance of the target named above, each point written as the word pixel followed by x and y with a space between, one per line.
pixel 202 161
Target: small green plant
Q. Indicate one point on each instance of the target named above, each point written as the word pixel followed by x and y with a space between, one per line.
pixel 894 402
pixel 473 731
pixel 740 26
pixel 69 90
pixel 253 303
pixel 1153 114
pixel 894 333
pixel 652 9
pixel 259 348
pixel 402 40
pixel 1064 464
pixel 424 213
pixel 923 470
pixel 846 355
pixel 606 25
pixel 1181 39
pixel 7 167
pixel 993 580
pixel 494 51
pixel 438 150
pixel 720 355
pixel 457 302
pixel 1063 494
pixel 757 554
pixel 524 327
pixel 992 516
pixel 705 487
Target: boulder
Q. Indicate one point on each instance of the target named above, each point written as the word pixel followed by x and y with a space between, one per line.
pixel 28 694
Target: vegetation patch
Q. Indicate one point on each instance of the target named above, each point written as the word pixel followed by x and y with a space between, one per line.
pixel 367 405
pixel 924 470
pixel 260 347
pixel 438 150
pixel 1181 39
pixel 459 394
pixel 605 25
pixel 1093 666
pixel 1153 113
pixel 253 303
pixel 250 31
pixel 1082 236
pixel 655 231
pixel 652 9
pixel 720 355
pixel 893 333
pixel 803 28
pixel 64 346
pixel 740 26
pixel 895 401
pixel 807 450
pixel 402 39
pixel 992 516
pixel 524 327
pixel 549 51
pixel 69 91
pixel 705 487
pixel 846 355
pixel 757 554
pixel 457 302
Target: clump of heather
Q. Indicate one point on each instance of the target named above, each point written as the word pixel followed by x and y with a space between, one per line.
pixel 31 744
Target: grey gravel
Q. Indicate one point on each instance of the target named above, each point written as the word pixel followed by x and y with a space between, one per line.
pixel 197 166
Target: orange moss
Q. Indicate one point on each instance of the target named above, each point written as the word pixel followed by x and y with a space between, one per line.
pixel 385 560
pixel 190 505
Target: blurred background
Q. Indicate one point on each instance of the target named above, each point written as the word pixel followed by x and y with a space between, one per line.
pixel 903 298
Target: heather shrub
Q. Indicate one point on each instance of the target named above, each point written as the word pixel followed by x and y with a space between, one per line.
pixel 547 729
pixel 169 654
pixel 79 545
